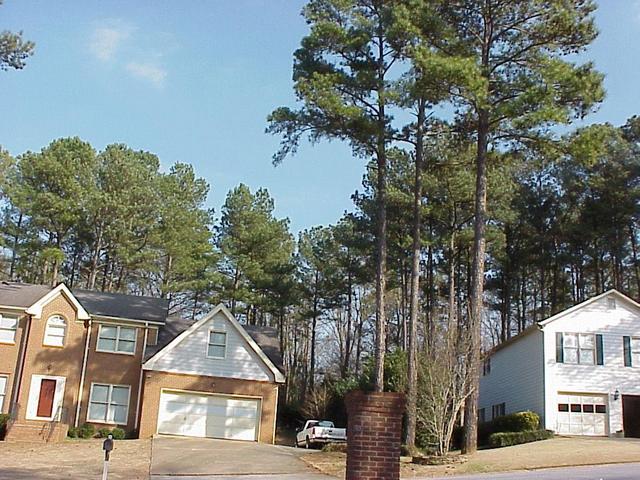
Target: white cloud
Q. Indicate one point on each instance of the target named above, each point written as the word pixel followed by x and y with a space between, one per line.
pixel 107 39
pixel 148 72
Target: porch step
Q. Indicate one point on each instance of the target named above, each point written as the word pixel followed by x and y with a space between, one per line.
pixel 37 432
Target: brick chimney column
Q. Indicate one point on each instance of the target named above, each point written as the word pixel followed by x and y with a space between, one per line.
pixel 374 435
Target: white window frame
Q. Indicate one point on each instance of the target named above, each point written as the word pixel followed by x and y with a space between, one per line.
pixel 6 329
pixel 578 348
pixel 47 334
pixel 117 339
pixel 108 403
pixel 634 350
pixel 486 366
pixel 3 393
pixel 209 343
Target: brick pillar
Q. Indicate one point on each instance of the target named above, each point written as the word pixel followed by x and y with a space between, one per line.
pixel 374 435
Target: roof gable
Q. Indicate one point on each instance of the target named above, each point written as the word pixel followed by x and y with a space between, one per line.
pixel 609 293
pixel 191 343
pixel 36 309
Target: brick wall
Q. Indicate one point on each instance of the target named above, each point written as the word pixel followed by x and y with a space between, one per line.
pixel 9 358
pixel 114 369
pixel 374 435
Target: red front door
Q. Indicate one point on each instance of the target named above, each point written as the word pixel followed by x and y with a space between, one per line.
pixel 45 401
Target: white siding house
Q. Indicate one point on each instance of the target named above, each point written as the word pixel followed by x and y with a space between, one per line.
pixel 578 370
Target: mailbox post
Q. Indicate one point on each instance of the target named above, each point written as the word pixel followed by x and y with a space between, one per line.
pixel 107 446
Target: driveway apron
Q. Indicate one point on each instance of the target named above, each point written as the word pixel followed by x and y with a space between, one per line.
pixel 181 456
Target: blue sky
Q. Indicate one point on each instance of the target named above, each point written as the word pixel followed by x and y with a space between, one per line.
pixel 194 81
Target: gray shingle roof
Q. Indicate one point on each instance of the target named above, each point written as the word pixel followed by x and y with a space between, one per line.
pixel 23 295
pixel 123 306
pixel 267 339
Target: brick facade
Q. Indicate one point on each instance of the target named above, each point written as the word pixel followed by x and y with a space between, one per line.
pixel 374 435
pixel 155 382
pixel 9 353
pixel 40 359
pixel 50 361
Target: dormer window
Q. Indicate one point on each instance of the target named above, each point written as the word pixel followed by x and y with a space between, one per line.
pixel 217 346
pixel 55 331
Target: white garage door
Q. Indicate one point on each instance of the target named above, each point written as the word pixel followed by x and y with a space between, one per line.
pixel 213 416
pixel 582 414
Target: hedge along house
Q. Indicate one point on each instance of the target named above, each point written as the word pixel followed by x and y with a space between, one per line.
pixel 215 379
pixel 579 370
pixel 68 358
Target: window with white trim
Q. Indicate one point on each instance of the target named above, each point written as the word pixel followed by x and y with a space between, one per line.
pixel 3 390
pixel 55 331
pixel 635 351
pixel 217 346
pixel 8 328
pixel 109 403
pixel 579 348
pixel 498 410
pixel 117 339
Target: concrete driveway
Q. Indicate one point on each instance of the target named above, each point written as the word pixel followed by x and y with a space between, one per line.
pixel 220 459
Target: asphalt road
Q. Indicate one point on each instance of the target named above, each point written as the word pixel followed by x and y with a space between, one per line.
pixel 628 471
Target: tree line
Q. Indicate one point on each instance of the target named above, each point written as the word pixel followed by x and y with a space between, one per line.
pixel 483 208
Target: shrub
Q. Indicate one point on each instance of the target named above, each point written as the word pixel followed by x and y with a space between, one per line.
pixel 86 431
pixel 118 434
pixel 73 432
pixel 506 439
pixel 514 422
pixel 103 432
pixel 4 419
pixel 517 422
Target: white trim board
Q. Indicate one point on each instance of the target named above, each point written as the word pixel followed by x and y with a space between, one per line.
pixel 277 374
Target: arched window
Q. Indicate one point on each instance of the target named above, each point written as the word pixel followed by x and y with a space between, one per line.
pixel 55 331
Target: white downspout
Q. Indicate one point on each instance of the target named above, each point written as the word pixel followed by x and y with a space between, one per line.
pixel 144 351
pixel 76 421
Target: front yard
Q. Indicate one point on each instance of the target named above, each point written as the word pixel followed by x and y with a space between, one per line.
pixel 74 459
pixel 557 452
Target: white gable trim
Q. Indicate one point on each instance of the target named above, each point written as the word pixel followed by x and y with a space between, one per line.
pixel 36 309
pixel 586 303
pixel 277 374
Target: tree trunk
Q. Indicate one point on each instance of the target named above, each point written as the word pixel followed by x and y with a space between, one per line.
pixel 636 266
pixel 314 324
pixel 412 372
pixel 381 233
pixel 470 443
pixel 14 252
pixel 95 255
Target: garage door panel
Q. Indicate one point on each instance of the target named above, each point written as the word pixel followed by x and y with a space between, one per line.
pixel 586 415
pixel 214 416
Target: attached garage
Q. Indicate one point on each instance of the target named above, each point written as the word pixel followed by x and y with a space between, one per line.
pixel 580 414
pixel 213 416
pixel 215 378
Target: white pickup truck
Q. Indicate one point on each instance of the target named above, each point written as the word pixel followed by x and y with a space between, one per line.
pixel 316 432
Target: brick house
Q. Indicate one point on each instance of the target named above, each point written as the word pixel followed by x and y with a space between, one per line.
pixel 69 358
